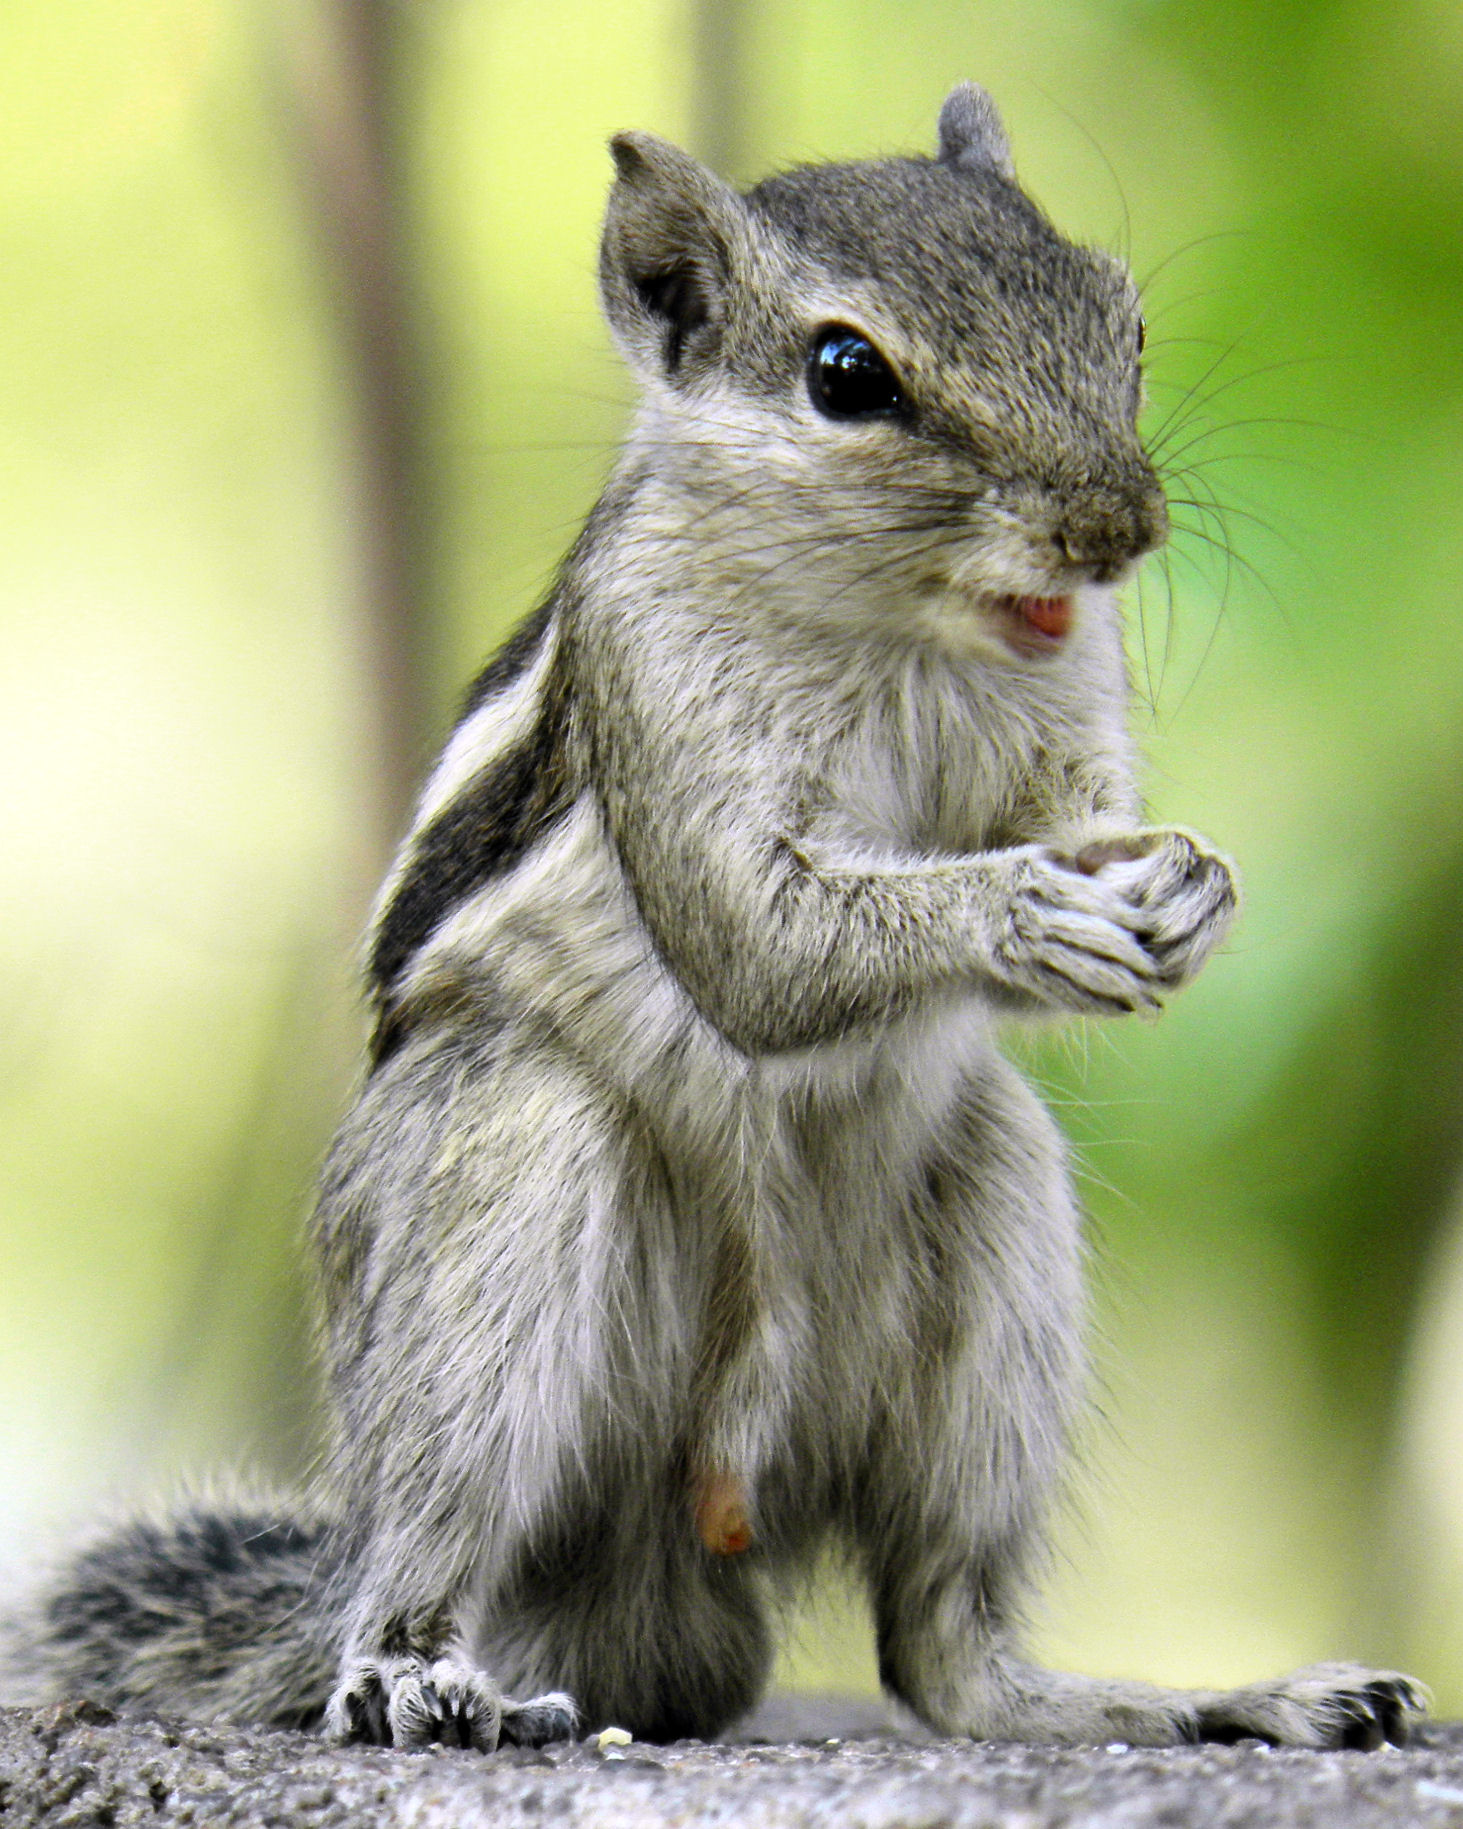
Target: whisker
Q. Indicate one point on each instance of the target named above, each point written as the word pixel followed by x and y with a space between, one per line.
pixel 1214 506
pixel 1188 247
pixel 1234 560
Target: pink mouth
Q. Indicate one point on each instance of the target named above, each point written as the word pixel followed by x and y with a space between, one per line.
pixel 1035 625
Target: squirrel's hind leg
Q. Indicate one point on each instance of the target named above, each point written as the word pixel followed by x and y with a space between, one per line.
pixel 1324 1706
pixel 957 1486
pixel 510 1342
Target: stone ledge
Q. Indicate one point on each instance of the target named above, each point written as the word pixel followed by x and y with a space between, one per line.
pixel 79 1766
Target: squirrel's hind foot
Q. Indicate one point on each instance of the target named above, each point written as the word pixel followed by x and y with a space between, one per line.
pixel 1324 1705
pixel 410 1703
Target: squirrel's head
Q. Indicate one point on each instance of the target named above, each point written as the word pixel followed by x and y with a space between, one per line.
pixel 903 351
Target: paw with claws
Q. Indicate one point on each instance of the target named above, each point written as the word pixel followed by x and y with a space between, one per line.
pixel 1325 1705
pixel 408 1702
pixel 1115 926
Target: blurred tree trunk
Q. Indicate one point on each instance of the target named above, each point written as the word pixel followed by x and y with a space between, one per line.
pixel 344 67
pixel 342 85
pixel 720 75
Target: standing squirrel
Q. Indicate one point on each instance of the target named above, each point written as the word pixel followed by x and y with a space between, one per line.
pixel 688 1220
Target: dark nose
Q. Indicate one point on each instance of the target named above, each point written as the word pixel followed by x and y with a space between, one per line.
pixel 1105 526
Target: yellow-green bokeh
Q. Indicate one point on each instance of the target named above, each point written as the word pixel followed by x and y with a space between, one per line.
pixel 185 832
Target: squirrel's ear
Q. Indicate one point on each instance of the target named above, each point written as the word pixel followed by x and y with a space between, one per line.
pixel 971 134
pixel 666 253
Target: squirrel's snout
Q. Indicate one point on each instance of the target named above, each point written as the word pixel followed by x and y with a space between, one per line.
pixel 1107 529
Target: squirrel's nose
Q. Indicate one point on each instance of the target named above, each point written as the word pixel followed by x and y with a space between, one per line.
pixel 1106 528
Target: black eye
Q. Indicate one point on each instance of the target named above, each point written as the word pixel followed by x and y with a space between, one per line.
pixel 848 378
pixel 1142 334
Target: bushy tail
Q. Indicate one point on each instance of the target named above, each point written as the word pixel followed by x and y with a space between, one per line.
pixel 216 1611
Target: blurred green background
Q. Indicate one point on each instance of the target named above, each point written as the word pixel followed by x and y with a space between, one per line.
pixel 303 391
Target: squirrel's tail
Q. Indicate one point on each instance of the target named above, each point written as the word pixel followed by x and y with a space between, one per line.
pixel 215 1611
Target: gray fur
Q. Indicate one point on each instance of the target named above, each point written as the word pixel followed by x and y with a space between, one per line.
pixel 688 1162
pixel 972 133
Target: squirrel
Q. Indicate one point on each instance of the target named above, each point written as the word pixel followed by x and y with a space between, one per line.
pixel 689 1221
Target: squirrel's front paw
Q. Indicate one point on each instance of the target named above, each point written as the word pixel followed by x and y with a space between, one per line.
pixel 1116 925
pixel 1182 895
pixel 1066 937
pixel 407 1702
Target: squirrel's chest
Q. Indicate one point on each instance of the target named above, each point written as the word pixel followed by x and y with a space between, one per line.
pixel 930 764
pixel 814 1292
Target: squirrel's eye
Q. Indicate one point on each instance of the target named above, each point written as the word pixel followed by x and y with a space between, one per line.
pixel 848 378
pixel 1142 334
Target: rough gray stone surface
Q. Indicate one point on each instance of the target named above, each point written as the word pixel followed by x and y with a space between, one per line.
pixel 79 1766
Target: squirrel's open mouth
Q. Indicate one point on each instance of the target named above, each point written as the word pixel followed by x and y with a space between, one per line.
pixel 1033 625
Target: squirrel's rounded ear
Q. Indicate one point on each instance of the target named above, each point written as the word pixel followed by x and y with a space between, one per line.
pixel 666 254
pixel 971 133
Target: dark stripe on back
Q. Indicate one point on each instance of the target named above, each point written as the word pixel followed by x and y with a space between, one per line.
pixel 481 834
pixel 484 832
pixel 514 657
